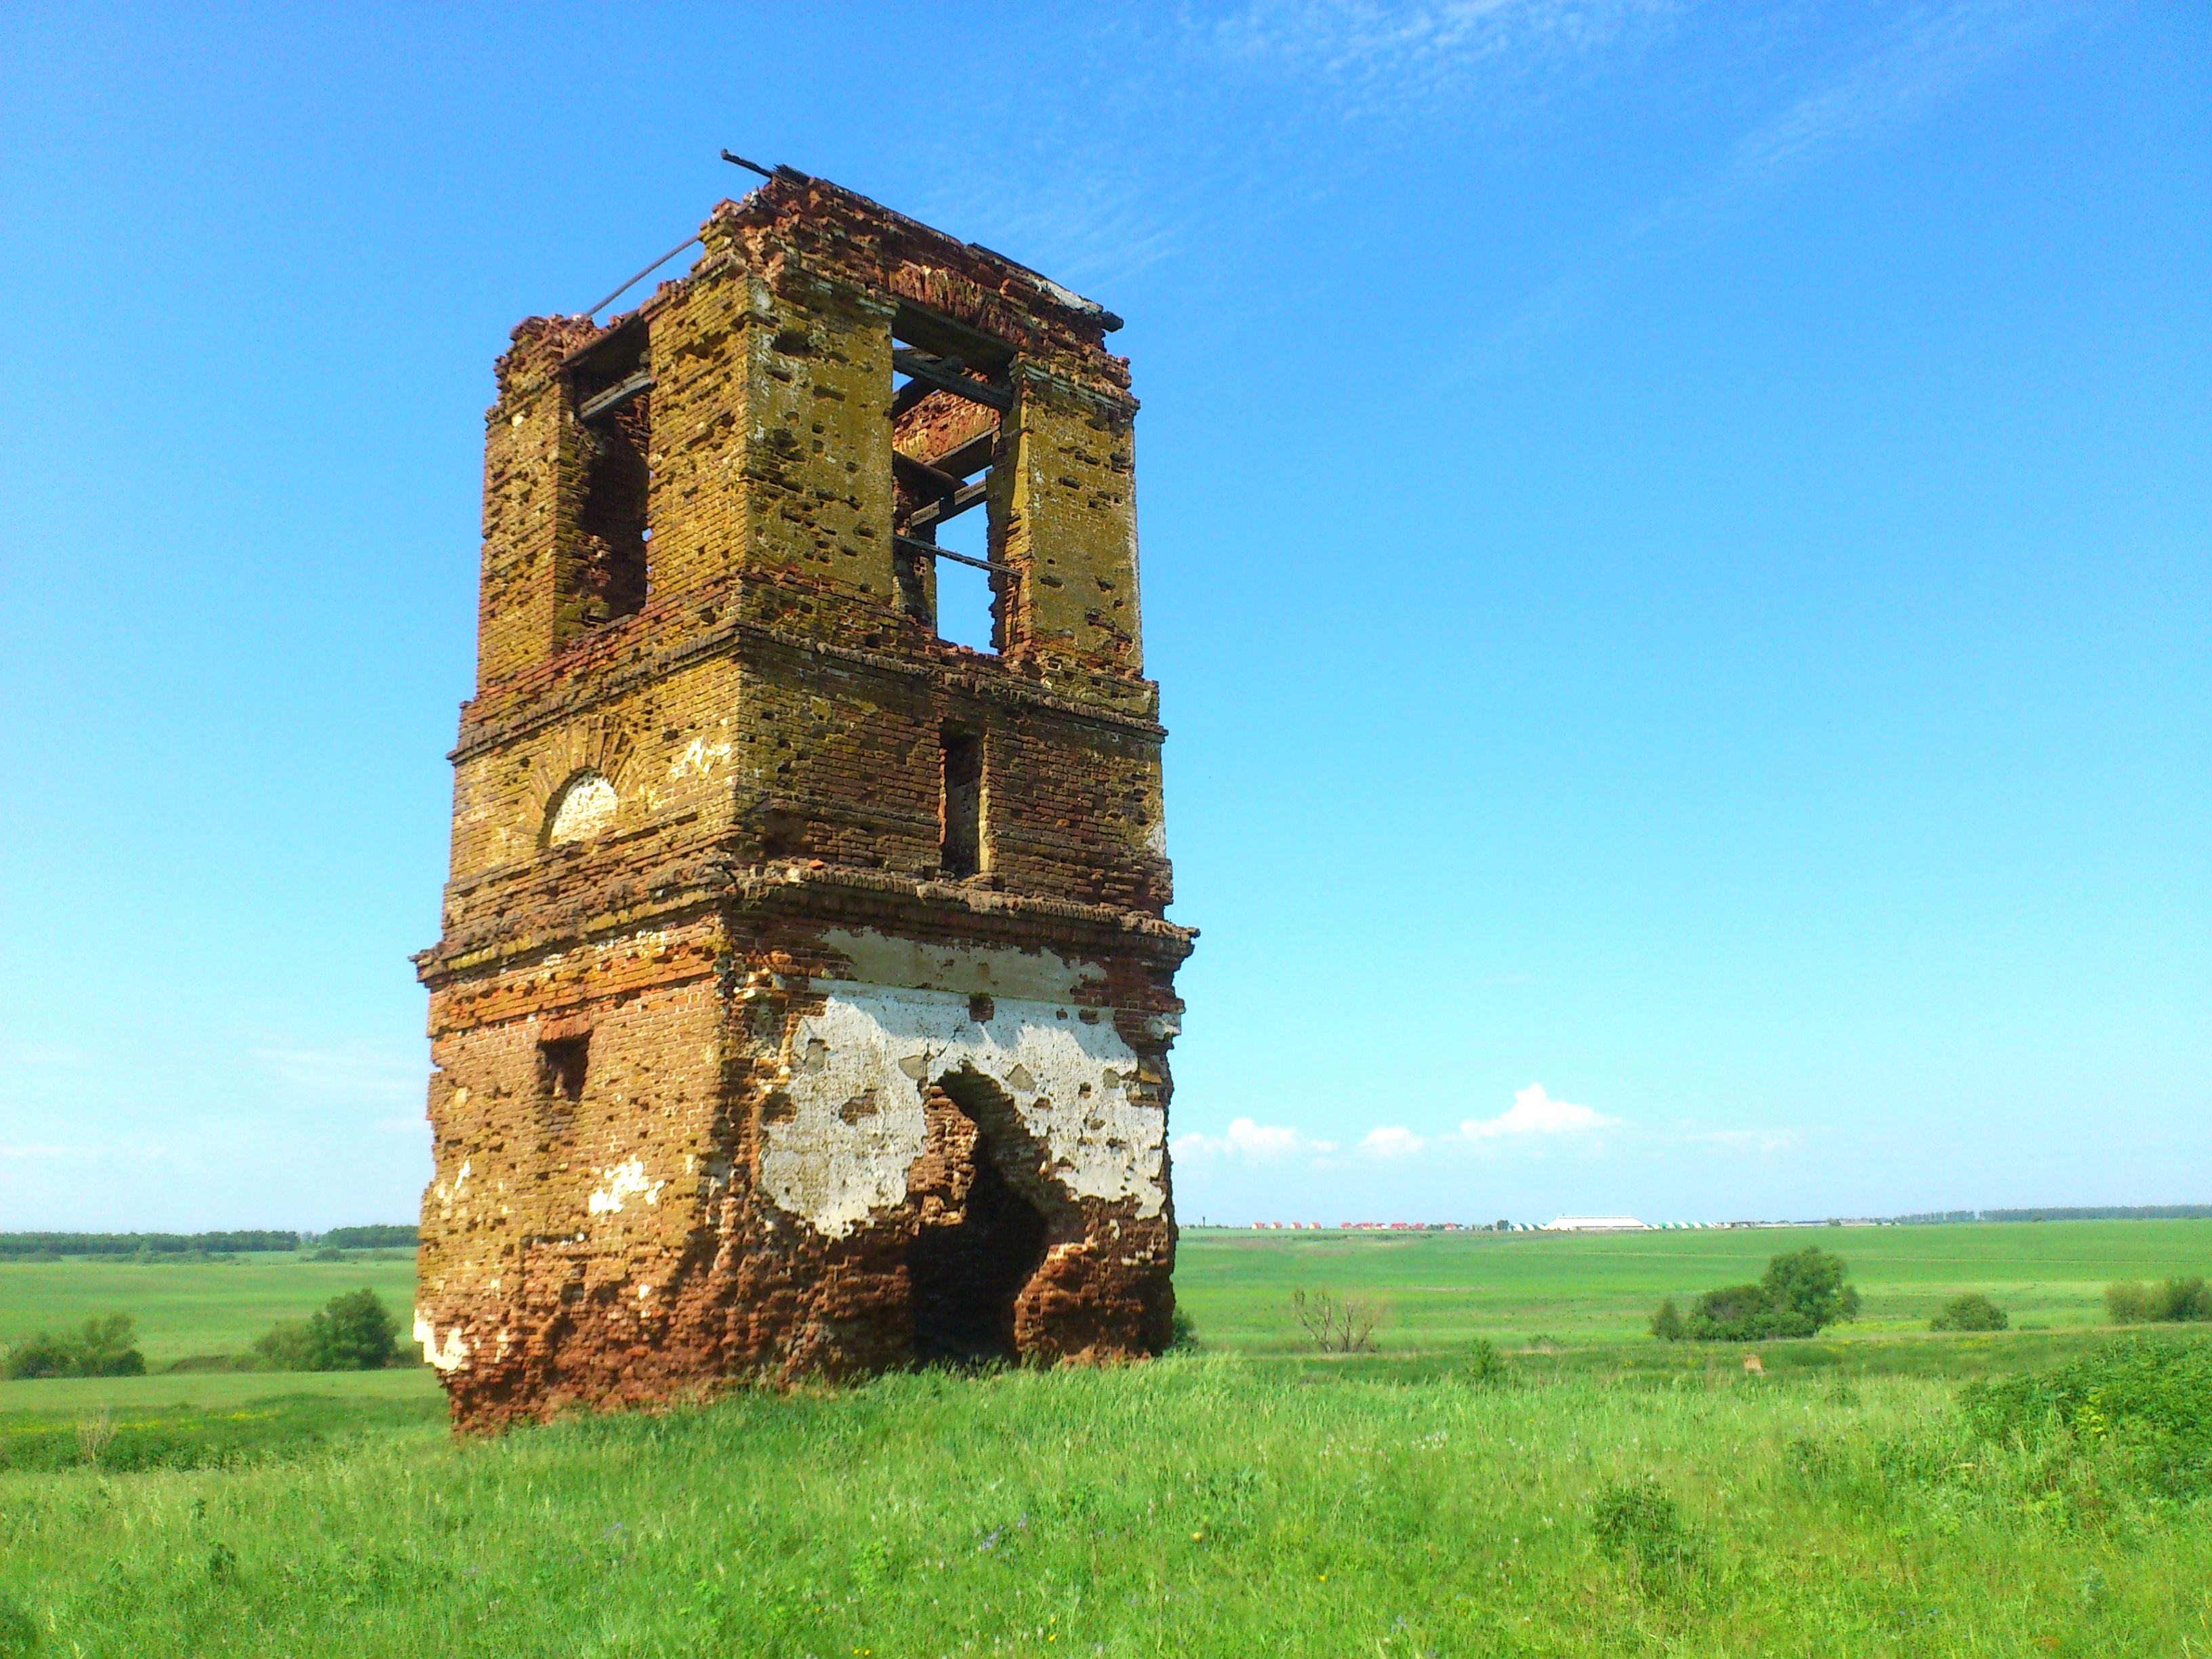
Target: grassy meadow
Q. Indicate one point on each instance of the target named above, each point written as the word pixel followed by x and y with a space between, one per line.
pixel 1601 1492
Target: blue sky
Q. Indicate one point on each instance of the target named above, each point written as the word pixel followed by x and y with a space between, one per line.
pixel 1675 543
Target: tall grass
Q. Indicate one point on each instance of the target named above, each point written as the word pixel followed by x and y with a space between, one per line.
pixel 1197 1506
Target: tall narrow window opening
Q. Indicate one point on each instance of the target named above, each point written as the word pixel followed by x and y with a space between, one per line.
pixel 961 756
pixel 561 1066
pixel 949 393
pixel 606 570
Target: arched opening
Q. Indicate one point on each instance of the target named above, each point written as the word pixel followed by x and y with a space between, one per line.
pixel 963 1279
pixel 586 805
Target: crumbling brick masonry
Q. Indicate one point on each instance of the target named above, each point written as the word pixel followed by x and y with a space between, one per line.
pixel 804 992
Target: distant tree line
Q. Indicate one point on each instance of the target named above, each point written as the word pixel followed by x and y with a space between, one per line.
pixel 16 1246
pixel 52 1247
pixel 368 1239
pixel 2079 1212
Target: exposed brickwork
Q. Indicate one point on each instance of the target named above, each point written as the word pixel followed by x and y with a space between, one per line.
pixel 735 1078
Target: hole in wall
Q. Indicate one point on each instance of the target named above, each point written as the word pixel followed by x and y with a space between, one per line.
pixel 963 594
pixel 963 1280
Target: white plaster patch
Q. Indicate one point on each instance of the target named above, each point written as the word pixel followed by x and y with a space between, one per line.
pixel 624 1181
pixel 699 761
pixel 446 1194
pixel 451 1355
pixel 587 806
pixel 998 970
pixel 858 1068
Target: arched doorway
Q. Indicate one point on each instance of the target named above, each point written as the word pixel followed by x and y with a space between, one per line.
pixel 963 1279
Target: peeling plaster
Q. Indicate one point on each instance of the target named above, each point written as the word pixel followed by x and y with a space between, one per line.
pixel 998 970
pixel 624 1181
pixel 858 1070
pixel 700 760
pixel 452 1355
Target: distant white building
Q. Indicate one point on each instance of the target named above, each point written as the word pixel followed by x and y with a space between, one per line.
pixel 1595 1223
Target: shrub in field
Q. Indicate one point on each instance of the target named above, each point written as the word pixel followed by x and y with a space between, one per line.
pixel 1337 1324
pixel 2183 1299
pixel 1667 1324
pixel 101 1347
pixel 355 1332
pixel 1486 1366
pixel 2145 1403
pixel 1971 1312
pixel 2127 1303
pixel 1183 1330
pixel 1635 1520
pixel 1800 1292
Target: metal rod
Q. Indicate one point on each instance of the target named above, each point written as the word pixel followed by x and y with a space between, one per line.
pixel 750 166
pixel 595 310
pixel 932 550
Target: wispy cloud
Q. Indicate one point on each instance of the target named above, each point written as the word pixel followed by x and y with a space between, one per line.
pixel 1928 54
pixel 354 1074
pixel 1398 59
pixel 1768 1141
pixel 1391 1142
pixel 1534 1113
pixel 1254 1142
pixel 1897 75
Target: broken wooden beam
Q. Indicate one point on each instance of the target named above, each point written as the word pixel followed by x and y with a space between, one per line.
pixel 950 507
pixel 616 396
pixel 943 374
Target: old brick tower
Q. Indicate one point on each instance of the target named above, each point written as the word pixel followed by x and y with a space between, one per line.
pixel 804 991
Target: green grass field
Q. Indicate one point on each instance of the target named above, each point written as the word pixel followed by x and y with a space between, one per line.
pixel 1247 1498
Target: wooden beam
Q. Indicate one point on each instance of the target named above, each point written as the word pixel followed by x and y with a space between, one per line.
pixel 616 396
pixel 922 476
pixel 971 457
pixel 950 507
pixel 942 374
pixel 933 331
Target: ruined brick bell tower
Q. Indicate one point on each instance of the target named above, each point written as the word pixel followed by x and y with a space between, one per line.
pixel 804 991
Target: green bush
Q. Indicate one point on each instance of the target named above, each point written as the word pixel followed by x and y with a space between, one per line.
pixel 355 1332
pixel 101 1347
pixel 1667 1324
pixel 2182 1299
pixel 1637 1520
pixel 2145 1403
pixel 1971 1312
pixel 2127 1303
pixel 2177 1300
pixel 1486 1366
pixel 1800 1292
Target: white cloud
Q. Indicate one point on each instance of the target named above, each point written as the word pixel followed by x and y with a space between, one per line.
pixel 1390 1141
pixel 1749 1140
pixel 1257 1143
pixel 1535 1113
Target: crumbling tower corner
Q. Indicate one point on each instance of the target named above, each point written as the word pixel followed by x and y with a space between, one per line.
pixel 804 991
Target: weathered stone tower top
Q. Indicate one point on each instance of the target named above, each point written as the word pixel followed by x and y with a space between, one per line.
pixel 806 990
